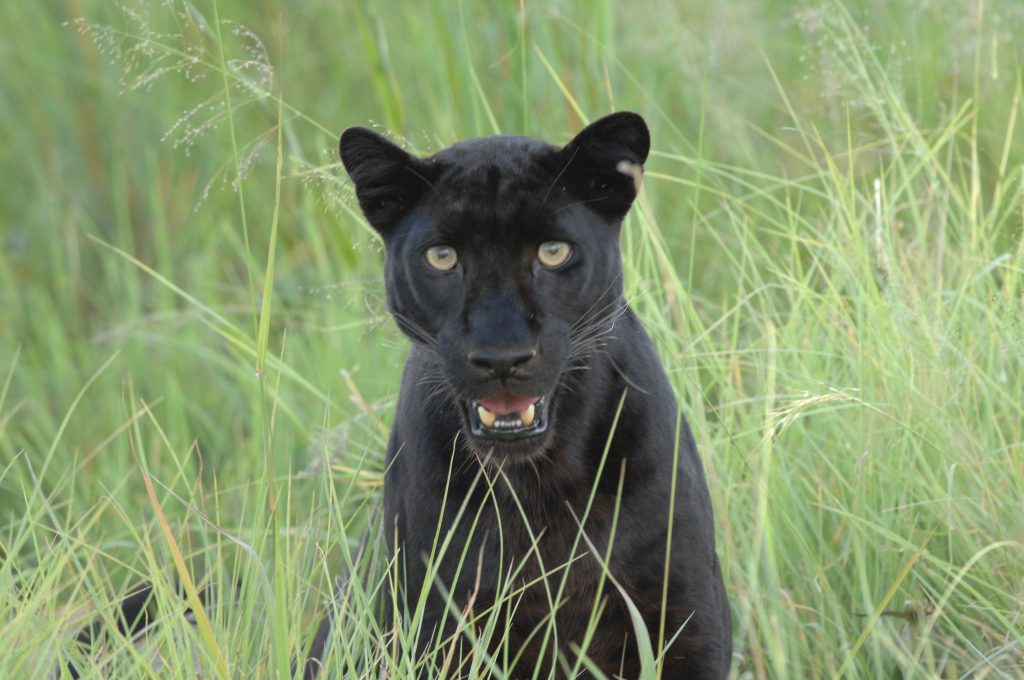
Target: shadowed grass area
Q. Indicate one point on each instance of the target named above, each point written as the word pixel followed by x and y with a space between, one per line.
pixel 197 369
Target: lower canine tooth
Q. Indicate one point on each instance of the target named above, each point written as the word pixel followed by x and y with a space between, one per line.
pixel 527 415
pixel 486 417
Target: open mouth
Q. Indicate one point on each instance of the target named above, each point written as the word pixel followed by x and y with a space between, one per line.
pixel 507 417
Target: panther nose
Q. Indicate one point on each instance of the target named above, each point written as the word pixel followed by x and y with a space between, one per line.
pixel 501 363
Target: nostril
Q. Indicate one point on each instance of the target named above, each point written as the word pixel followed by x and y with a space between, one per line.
pixel 481 363
pixel 521 359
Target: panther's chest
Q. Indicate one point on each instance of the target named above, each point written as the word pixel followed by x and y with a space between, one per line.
pixel 553 593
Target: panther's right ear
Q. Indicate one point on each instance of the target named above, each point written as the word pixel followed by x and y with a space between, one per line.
pixel 387 179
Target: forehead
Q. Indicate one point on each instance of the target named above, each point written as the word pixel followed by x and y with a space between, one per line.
pixel 499 181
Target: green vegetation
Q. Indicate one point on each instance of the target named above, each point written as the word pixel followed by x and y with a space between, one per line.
pixel 197 369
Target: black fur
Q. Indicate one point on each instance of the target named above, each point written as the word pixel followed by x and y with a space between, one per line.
pixel 136 612
pixel 564 334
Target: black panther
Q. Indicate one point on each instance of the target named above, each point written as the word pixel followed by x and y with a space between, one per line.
pixel 536 433
pixel 533 403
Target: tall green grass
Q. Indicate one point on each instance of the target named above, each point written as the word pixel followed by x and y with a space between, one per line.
pixel 197 371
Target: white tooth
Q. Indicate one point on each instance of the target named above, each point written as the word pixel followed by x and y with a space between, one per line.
pixel 527 415
pixel 486 417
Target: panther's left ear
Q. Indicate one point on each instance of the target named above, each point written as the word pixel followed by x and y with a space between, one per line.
pixel 604 162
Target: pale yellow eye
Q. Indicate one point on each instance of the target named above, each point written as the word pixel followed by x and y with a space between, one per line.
pixel 553 253
pixel 442 258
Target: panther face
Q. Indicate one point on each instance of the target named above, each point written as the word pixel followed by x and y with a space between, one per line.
pixel 503 265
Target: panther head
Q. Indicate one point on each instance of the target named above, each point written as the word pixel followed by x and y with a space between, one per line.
pixel 503 264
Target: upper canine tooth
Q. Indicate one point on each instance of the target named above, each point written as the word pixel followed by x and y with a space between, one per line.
pixel 527 415
pixel 486 417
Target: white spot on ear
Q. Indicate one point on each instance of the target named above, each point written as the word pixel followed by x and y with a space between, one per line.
pixel 633 170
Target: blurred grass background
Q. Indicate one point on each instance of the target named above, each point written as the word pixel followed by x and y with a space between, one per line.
pixel 829 253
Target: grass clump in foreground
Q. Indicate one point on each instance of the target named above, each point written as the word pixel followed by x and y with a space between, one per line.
pixel 197 371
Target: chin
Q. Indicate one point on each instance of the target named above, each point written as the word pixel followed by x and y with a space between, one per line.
pixel 505 453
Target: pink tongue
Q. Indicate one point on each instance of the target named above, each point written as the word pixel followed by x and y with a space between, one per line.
pixel 503 404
